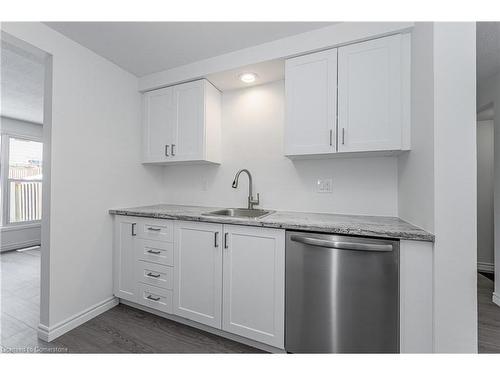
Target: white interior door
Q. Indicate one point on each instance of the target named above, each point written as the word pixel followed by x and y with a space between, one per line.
pixel 159 124
pixel 198 272
pixel 254 283
pixel 369 95
pixel 189 104
pixel 311 103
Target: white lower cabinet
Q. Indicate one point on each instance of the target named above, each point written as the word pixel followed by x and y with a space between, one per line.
pixel 229 277
pixel 154 297
pixel 198 272
pixel 124 260
pixel 142 267
pixel 254 283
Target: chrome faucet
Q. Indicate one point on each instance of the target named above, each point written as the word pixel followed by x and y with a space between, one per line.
pixel 251 201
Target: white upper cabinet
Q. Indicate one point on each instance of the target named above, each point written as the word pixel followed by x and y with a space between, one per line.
pixel 159 120
pixel 182 124
pixel 370 97
pixel 351 99
pixel 189 129
pixel 311 103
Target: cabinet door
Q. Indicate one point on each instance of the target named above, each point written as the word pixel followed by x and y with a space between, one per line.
pixel 311 103
pixel 124 282
pixel 370 80
pixel 189 131
pixel 198 272
pixel 253 283
pixel 159 125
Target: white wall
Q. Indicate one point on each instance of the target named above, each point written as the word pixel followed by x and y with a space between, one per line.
pixel 437 179
pixel 489 93
pixel 485 229
pixel 252 138
pixel 95 145
pixel 455 295
pixel 416 168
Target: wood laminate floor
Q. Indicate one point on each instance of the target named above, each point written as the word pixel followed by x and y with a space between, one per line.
pixel 488 317
pixel 127 330
pixel 122 329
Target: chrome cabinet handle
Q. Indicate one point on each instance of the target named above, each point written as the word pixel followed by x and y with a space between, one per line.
pixel 133 229
pixel 216 239
pixel 343 135
pixel 154 252
pixel 153 275
pixel 166 150
pixel 153 298
pixel 225 240
pixel 154 229
pixel 173 150
pixel 331 137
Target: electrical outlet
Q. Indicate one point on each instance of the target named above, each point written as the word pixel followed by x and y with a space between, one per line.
pixel 324 185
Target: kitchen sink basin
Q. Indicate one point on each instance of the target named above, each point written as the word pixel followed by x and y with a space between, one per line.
pixel 240 212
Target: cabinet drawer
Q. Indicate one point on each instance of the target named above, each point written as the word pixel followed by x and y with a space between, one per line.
pixel 155 251
pixel 154 229
pixel 155 274
pixel 154 297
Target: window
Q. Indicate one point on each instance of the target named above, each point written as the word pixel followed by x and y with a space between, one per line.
pixel 23 186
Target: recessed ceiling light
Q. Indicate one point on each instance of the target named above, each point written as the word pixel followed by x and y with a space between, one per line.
pixel 248 77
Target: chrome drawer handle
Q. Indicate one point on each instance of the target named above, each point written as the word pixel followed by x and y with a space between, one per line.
pixel 154 252
pixel 153 275
pixel 154 229
pixel 153 298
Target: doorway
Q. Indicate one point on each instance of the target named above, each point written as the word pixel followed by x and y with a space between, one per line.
pixel 488 184
pixel 24 144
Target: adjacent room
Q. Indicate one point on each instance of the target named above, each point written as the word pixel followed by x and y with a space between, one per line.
pixel 488 184
pixel 21 155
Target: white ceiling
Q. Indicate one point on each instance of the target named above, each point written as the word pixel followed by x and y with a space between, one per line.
pixel 268 71
pixel 148 47
pixel 488 50
pixel 21 84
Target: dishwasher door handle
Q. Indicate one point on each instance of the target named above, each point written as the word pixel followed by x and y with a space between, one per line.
pixel 341 245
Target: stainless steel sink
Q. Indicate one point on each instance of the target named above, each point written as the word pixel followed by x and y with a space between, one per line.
pixel 240 212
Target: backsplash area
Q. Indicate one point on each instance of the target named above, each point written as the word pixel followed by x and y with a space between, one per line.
pixel 252 138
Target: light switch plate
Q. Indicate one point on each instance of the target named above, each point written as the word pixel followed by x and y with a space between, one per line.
pixel 324 185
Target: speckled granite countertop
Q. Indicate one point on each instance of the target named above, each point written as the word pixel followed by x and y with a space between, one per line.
pixel 359 225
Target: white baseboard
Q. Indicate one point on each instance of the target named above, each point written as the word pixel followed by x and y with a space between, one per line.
pixel 50 333
pixel 485 267
pixel 496 298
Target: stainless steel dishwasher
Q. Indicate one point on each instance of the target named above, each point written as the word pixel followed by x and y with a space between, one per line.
pixel 342 294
